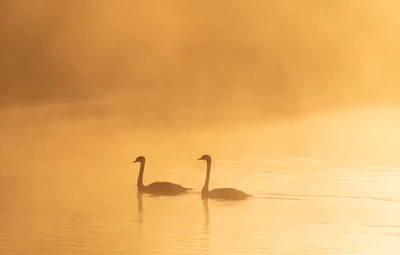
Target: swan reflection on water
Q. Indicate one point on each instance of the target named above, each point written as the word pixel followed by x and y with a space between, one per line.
pixel 139 196
pixel 157 188
pixel 206 216
pixel 221 193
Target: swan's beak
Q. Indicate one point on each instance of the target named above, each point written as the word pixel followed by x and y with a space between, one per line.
pixel 199 158
pixel 135 161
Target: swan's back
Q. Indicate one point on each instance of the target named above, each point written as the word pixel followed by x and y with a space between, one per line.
pixel 165 188
pixel 227 193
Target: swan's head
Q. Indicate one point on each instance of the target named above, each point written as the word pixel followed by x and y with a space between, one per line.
pixel 205 157
pixel 140 159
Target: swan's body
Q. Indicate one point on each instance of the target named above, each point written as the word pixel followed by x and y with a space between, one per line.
pixel 222 193
pixel 226 193
pixel 157 188
pixel 165 188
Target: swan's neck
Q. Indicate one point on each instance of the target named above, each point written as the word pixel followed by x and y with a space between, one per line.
pixel 140 179
pixel 205 188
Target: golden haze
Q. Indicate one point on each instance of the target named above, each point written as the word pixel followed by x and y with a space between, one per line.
pixel 188 61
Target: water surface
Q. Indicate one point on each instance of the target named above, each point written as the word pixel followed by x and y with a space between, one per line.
pixel 70 188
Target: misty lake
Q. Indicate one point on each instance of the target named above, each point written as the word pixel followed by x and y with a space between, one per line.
pixel 322 185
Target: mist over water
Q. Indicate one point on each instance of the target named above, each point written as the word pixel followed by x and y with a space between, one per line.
pixel 296 101
pixel 191 62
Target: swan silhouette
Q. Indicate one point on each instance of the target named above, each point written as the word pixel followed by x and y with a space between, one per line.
pixel 157 188
pixel 223 193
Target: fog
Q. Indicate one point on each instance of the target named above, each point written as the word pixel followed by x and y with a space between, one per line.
pixel 199 61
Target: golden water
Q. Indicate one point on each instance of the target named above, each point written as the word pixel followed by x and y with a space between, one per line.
pixel 69 187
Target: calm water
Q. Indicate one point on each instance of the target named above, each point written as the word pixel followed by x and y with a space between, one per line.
pixel 70 188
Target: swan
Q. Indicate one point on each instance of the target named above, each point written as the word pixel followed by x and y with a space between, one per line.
pixel 223 193
pixel 157 188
